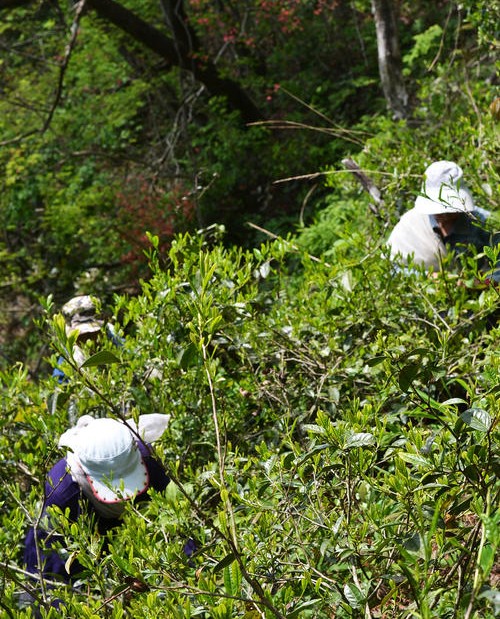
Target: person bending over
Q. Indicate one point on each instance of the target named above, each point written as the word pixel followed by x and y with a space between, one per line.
pixel 108 463
pixel 444 219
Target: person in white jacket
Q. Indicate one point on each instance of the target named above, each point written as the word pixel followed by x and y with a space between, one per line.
pixel 443 219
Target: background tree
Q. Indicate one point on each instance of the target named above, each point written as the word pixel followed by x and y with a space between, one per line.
pixel 389 57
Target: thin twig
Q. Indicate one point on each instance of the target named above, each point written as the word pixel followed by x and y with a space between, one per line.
pixel 64 65
pixel 441 42
pixel 220 454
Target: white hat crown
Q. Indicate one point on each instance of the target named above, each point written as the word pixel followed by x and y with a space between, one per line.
pixel 105 443
pixel 107 453
pixel 81 313
pixel 444 191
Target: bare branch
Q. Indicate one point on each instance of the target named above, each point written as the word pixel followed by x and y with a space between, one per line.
pixel 366 182
pixel 64 65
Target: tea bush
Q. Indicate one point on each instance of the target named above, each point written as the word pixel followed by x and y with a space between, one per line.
pixel 333 447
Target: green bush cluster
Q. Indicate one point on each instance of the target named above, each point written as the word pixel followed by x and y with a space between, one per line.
pixel 333 447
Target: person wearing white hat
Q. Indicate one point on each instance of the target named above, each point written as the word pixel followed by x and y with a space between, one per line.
pixel 444 218
pixel 81 315
pixel 108 463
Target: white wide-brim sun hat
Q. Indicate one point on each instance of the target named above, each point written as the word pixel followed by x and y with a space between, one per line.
pixel 444 191
pixel 109 457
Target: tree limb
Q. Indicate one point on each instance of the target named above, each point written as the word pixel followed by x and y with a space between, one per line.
pixel 178 53
pixel 174 53
pixel 64 65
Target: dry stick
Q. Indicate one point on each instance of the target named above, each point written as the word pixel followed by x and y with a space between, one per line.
pixel 296 126
pixel 441 42
pixel 11 570
pixel 313 175
pixel 220 454
pixel 477 579
pixel 367 183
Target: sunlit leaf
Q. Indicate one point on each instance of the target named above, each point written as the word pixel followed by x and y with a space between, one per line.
pixel 414 459
pixel 232 578
pixel 354 595
pixel 360 439
pixel 477 419
pixel 487 558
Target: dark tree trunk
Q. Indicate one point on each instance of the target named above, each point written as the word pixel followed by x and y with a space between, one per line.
pixel 389 57
pixel 179 50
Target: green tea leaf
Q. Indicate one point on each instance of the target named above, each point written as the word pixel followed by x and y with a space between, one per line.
pixel 297 611
pixel 354 596
pixel 375 360
pixel 407 375
pixel 188 356
pixel 103 357
pixel 487 558
pixel 232 578
pixel 414 459
pixel 477 419
pixel 227 560
pixel 360 439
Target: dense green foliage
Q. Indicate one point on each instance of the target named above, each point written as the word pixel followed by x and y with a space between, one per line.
pixel 333 444
pixel 333 447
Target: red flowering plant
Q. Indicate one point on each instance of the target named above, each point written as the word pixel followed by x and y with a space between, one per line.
pixel 252 32
pixel 143 207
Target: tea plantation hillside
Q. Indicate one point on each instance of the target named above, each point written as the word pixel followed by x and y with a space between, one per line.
pixel 224 177
pixel 333 445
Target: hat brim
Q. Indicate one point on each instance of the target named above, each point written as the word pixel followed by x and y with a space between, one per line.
pixel 120 487
pixel 445 202
pixel 90 326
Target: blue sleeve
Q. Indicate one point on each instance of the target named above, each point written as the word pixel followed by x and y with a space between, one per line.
pixel 158 478
pixel 58 374
pixel 63 492
pixel 116 339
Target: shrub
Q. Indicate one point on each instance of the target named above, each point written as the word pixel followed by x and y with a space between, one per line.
pixel 332 449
